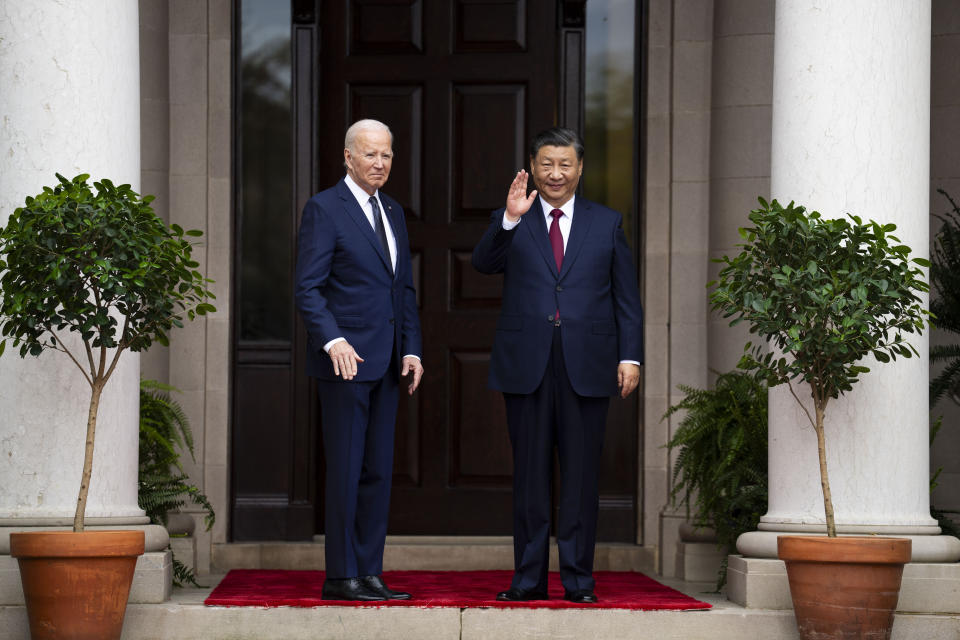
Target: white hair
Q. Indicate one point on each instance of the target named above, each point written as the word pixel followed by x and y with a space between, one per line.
pixel 364 125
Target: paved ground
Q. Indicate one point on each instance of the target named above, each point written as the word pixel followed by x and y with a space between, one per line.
pixel 185 617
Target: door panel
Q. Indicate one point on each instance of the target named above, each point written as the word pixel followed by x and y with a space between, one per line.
pixel 405 104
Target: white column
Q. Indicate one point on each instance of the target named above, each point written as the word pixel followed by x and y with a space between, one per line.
pixel 851 133
pixel 70 103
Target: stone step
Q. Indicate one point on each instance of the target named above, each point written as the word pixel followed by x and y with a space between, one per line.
pixel 426 553
pixel 186 617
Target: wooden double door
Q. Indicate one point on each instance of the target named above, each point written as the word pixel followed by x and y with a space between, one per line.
pixel 462 84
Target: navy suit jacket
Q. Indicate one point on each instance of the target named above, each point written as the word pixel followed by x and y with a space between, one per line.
pixel 344 286
pixel 595 292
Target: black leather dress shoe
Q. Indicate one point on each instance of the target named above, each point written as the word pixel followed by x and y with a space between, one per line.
pixel 521 595
pixel 376 585
pixel 581 596
pixel 348 589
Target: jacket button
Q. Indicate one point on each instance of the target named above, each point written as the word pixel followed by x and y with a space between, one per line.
pixel 549 318
pixel 559 288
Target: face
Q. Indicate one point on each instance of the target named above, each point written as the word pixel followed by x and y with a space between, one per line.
pixel 556 173
pixel 368 163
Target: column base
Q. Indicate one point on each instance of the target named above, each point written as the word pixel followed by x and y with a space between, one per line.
pixel 67 521
pixel 926 548
pixel 813 528
pixel 152 580
pixel 761 583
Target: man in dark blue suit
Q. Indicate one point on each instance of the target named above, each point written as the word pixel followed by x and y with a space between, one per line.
pixel 570 335
pixel 354 290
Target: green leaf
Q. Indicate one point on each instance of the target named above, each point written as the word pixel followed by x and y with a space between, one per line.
pixel 82 254
pixel 824 292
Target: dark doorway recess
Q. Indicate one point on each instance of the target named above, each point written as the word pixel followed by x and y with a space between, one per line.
pixel 462 84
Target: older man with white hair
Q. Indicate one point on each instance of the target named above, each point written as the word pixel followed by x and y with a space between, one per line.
pixel 354 290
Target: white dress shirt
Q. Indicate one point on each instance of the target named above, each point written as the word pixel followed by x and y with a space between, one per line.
pixel 363 199
pixel 566 220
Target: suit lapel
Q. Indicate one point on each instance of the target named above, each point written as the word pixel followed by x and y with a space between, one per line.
pixel 355 213
pixel 538 230
pixel 579 228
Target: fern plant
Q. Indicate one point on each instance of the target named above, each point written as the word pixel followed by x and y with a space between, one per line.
pixel 163 484
pixel 945 305
pixel 721 466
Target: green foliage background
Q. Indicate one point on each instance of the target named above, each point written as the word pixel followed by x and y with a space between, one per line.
pixel 74 256
pixel 824 293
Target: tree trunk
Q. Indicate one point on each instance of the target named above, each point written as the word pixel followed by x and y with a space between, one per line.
pixel 824 478
pixel 95 390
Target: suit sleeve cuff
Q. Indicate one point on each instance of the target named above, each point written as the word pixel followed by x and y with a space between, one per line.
pixel 507 225
pixel 327 346
pixel 410 355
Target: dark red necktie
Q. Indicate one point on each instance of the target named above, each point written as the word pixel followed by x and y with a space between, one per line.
pixel 556 239
pixel 556 243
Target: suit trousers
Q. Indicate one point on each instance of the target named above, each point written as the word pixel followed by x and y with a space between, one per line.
pixel 359 419
pixel 555 415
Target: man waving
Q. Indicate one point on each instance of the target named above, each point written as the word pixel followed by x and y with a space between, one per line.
pixel 569 336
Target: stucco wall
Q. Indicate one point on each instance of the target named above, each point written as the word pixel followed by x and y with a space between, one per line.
pixel 186 163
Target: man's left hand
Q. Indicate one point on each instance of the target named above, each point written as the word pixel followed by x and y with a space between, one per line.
pixel 628 376
pixel 414 366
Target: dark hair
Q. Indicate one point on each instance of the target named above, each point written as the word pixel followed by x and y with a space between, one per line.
pixel 557 137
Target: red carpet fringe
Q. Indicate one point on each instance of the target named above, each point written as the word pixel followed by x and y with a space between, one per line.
pixel 274 588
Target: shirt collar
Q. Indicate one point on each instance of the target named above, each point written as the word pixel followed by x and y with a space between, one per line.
pixel 566 207
pixel 362 196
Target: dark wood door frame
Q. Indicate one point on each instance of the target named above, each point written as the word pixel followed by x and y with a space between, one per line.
pixel 292 517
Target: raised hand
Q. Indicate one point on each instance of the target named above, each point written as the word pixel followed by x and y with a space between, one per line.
pixel 518 202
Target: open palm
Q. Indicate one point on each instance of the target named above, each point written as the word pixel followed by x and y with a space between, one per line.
pixel 518 202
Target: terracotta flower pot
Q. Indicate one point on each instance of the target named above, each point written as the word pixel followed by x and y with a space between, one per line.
pixel 76 585
pixel 845 587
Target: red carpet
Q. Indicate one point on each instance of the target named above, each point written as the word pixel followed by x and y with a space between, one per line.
pixel 615 590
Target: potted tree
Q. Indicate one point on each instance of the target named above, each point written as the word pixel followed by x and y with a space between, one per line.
pixel 824 295
pixel 89 273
